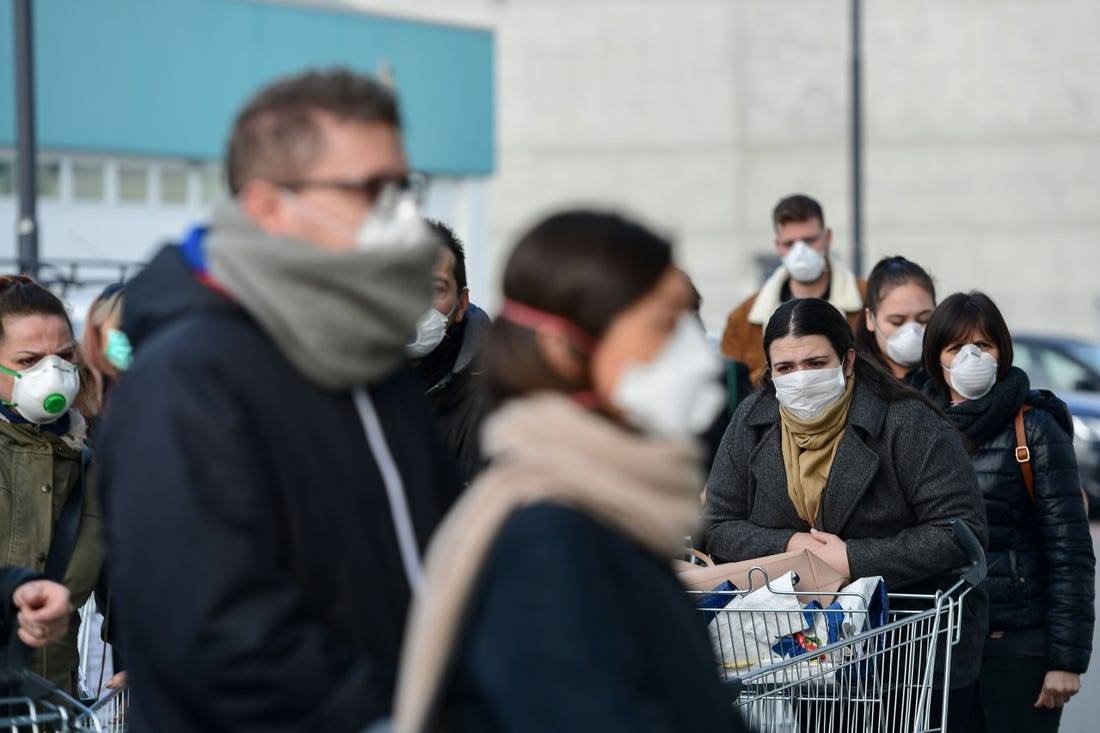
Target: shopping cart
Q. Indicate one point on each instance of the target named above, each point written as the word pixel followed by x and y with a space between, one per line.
pixel 890 678
pixel 30 703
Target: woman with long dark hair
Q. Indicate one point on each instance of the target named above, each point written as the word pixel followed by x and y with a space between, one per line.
pixel 900 299
pixel 549 601
pixel 835 456
pixel 1041 562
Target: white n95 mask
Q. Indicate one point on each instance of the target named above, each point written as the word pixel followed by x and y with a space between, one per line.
pixel 430 330
pixel 676 395
pixel 45 392
pixel 806 393
pixel 804 263
pixel 973 372
pixel 906 345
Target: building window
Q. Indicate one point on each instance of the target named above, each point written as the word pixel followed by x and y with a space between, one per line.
pixel 7 177
pixel 213 187
pixel 88 180
pixel 133 184
pixel 173 185
pixel 49 179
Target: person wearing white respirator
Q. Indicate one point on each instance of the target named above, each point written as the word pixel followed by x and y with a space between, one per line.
pixel 834 456
pixel 808 270
pixel 900 299
pixel 552 574
pixel 445 352
pixel 1041 561
pixel 49 508
pixel 272 469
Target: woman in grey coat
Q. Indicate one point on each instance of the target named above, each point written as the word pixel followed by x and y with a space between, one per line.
pixel 833 455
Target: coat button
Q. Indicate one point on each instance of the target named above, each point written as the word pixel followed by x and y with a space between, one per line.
pixel 41 557
pixel 45 488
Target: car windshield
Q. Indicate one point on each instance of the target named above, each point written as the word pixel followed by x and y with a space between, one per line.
pixel 1088 353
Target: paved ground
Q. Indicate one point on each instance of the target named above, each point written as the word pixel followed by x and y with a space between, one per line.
pixel 1082 715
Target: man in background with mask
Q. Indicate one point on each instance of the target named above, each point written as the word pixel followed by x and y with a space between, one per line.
pixel 271 471
pixel 803 243
pixel 446 354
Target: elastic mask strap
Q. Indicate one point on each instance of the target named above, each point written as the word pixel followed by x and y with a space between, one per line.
pixel 10 373
pixel 541 321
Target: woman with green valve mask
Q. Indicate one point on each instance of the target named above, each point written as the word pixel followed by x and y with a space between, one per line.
pixel 50 518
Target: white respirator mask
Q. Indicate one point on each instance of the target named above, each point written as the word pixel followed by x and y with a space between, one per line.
pixel 973 372
pixel 804 263
pixel 678 393
pixel 44 392
pixel 906 345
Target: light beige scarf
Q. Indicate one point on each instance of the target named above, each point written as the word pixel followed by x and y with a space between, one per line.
pixel 545 448
pixel 809 447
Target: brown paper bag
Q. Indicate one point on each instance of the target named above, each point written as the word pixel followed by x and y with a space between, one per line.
pixel 815 576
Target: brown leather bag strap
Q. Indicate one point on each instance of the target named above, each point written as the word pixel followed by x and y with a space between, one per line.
pixel 1023 453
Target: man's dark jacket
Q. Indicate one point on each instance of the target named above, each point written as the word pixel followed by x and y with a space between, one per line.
pixel 256 568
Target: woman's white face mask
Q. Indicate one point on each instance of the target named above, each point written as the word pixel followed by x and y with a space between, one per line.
pixel 905 346
pixel 972 373
pixel 677 394
pixel 807 392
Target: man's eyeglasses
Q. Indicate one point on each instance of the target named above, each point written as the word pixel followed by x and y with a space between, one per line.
pixel 414 184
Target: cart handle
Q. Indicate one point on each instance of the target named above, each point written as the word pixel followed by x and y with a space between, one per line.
pixel 975 555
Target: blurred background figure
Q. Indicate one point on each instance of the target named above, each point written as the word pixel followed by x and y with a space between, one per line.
pixel 106 351
pixel 803 244
pixel 446 354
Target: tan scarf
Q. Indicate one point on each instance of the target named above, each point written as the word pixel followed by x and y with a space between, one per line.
pixel 545 448
pixel 809 447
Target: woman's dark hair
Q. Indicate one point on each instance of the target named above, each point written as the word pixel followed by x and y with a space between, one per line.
pixel 817 317
pixel 582 266
pixel 889 273
pixel 957 317
pixel 22 296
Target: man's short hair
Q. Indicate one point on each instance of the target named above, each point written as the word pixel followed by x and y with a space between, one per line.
pixel 276 136
pixel 450 240
pixel 797 208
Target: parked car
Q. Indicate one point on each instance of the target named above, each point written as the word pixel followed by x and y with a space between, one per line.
pixel 1071 369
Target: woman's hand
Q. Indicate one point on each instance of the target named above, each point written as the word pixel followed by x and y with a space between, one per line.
pixel 1058 688
pixel 44 611
pixel 802 541
pixel 832 550
pixel 119 680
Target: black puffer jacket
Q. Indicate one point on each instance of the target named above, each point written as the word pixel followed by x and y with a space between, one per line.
pixel 1041 563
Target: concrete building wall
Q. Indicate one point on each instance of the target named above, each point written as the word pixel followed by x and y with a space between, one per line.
pixel 982 130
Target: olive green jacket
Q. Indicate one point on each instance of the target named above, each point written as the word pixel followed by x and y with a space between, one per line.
pixel 38 470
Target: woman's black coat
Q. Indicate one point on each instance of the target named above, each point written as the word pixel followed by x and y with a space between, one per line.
pixel 1041 562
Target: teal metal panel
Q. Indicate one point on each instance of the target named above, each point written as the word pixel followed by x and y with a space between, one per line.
pixel 165 77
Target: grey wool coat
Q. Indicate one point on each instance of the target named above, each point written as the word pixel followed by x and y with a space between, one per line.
pixel 899 475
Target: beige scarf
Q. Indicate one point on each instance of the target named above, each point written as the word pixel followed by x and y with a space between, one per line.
pixel 545 448
pixel 809 447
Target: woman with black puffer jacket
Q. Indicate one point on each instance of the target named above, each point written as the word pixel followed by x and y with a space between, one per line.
pixel 1041 562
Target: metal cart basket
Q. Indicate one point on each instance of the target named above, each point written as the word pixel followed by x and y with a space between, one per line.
pixel 888 677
